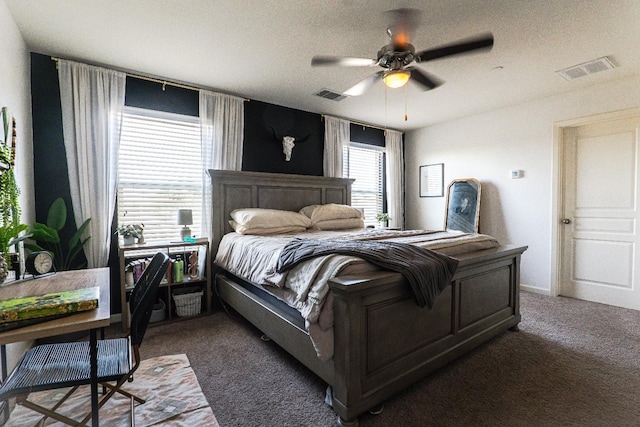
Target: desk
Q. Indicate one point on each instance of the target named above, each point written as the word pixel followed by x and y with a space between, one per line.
pixel 88 320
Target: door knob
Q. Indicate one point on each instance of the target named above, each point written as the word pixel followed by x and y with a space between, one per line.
pixel 566 221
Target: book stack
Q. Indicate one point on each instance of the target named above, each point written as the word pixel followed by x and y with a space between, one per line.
pixel 177 270
pixel 137 267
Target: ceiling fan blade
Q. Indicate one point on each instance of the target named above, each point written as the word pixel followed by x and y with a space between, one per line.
pixel 364 85
pixel 424 79
pixel 342 61
pixel 477 43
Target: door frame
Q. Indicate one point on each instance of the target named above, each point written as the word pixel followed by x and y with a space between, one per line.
pixel 557 182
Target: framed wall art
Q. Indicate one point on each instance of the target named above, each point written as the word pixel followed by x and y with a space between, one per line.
pixel 432 180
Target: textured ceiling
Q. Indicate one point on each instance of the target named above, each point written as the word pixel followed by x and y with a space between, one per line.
pixel 262 49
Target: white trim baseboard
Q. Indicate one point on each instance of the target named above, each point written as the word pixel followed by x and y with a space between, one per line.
pixel 535 290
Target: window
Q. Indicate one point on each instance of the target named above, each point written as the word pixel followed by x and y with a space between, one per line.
pixel 364 163
pixel 159 172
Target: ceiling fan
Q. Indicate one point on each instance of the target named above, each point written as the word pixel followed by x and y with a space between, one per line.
pixel 398 58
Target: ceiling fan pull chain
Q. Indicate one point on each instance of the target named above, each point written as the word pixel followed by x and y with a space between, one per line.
pixel 405 103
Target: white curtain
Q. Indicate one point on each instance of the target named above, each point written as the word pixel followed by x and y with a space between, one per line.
pixel 92 101
pixel 395 174
pixel 222 133
pixel 337 135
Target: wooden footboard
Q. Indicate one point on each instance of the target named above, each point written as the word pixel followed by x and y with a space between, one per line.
pixel 383 341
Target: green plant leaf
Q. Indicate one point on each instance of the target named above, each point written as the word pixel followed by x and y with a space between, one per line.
pixel 78 234
pixel 10 235
pixel 33 247
pixel 45 233
pixel 76 250
pixel 57 216
pixel 19 239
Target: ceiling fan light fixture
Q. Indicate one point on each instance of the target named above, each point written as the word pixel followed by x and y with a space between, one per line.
pixel 396 78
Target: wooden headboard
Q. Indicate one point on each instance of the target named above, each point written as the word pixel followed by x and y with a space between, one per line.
pixel 235 189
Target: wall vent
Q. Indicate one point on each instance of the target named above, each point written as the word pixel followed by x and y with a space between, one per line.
pixel 329 94
pixel 586 68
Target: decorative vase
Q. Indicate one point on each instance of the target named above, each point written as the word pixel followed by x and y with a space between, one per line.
pixel 129 240
pixel 141 239
pixel 4 269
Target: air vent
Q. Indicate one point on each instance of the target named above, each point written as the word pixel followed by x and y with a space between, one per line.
pixel 586 68
pixel 329 94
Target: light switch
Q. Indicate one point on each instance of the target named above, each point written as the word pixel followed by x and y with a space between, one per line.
pixel 517 173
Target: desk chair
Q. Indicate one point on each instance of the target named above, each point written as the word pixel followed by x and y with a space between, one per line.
pixel 52 366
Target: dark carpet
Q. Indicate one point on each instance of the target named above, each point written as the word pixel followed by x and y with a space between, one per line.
pixel 573 363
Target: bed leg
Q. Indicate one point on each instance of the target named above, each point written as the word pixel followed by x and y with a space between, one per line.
pixel 515 328
pixel 377 410
pixel 345 423
pixel 328 399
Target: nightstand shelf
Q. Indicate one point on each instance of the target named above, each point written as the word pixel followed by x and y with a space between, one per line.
pixel 196 291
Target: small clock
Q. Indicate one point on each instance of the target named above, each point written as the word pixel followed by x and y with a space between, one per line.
pixel 39 262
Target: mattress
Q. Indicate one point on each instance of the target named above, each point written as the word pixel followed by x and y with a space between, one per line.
pixel 305 287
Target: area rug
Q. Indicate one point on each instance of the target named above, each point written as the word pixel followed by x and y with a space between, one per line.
pixel 167 383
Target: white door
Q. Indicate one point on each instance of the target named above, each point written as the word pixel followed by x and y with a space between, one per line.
pixel 600 213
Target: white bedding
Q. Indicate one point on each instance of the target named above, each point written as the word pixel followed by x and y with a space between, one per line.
pixel 305 287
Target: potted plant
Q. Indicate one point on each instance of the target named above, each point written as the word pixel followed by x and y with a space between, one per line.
pixel 383 219
pixel 47 238
pixel 130 232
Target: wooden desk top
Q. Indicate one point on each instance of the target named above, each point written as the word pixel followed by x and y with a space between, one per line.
pixel 64 280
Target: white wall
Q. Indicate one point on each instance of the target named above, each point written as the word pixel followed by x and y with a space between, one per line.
pixel 487 147
pixel 15 93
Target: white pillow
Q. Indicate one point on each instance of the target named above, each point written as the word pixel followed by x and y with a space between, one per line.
pixel 269 218
pixel 308 210
pixel 242 229
pixel 339 224
pixel 330 211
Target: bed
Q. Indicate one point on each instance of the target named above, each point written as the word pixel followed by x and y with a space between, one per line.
pixel 371 360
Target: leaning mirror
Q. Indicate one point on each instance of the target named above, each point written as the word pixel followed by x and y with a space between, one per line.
pixel 463 205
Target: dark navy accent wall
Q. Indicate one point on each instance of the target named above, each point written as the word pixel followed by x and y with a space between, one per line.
pixel 152 96
pixel 367 135
pixel 262 152
pixel 49 159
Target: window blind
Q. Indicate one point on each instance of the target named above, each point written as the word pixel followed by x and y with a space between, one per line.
pixel 364 163
pixel 160 171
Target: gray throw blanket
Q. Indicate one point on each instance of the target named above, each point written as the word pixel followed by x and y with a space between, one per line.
pixel 428 272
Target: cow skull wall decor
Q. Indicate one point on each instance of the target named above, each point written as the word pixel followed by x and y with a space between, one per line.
pixel 288 142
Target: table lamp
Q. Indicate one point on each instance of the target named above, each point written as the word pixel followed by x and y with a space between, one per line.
pixel 185 218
